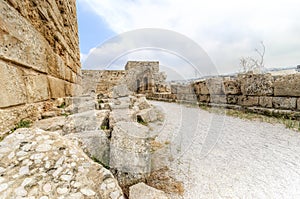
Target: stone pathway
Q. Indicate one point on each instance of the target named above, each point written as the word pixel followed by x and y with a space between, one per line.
pixel 224 157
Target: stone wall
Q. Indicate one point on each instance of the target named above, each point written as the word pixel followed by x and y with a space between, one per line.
pixel 139 76
pixel 263 93
pixel 39 56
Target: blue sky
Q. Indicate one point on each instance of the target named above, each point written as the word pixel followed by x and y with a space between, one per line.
pixel 226 30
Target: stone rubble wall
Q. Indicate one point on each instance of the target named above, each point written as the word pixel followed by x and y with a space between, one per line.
pixel 39 56
pixel 263 93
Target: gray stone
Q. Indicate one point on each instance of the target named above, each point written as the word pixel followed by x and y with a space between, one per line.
pixel 256 84
pixel 120 91
pixel 266 102
pixel 141 190
pixel 284 102
pixel 142 103
pixel 147 115
pixel 51 124
pixel 287 85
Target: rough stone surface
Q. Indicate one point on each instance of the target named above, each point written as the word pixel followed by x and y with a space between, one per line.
pixel 201 88
pixel 51 124
pixel 215 86
pixel 147 115
pixel 257 84
pixel 266 102
pixel 248 100
pixel 298 104
pixel 120 91
pixel 284 103
pixel 41 164
pixel 232 87
pixel 141 190
pixel 287 85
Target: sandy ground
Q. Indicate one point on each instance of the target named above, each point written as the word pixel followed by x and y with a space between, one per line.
pixel 224 157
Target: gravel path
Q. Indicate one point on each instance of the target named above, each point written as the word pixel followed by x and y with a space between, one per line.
pixel 224 157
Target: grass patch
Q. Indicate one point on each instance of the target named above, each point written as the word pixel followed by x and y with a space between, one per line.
pixel 22 124
pixel 63 105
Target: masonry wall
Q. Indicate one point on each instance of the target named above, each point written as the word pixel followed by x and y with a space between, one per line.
pixel 263 93
pixel 39 56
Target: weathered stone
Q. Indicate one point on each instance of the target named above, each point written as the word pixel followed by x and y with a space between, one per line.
pixel 215 86
pixel 130 149
pixel 120 91
pixel 284 102
pixel 97 145
pixel 51 124
pixel 201 88
pixel 86 121
pixel 204 98
pixel 232 87
pixel 147 115
pixel 298 103
pixel 248 101
pixel 219 99
pixel 117 115
pixel 142 103
pixel 287 85
pixel 141 190
pixel 57 87
pixel 266 102
pixel 257 84
pixel 232 99
pixel 121 103
pixel 13 88
pixel 37 87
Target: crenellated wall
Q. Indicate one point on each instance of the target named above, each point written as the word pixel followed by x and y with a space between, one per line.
pixel 39 56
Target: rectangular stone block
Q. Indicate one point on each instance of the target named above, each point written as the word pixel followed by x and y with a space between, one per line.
pixel 266 102
pixel 204 98
pixel 256 84
pixel 37 87
pixel 13 88
pixel 201 88
pixel 232 87
pixel 287 85
pixel 298 104
pixel 215 86
pixel 248 101
pixel 57 87
pixel 232 99
pixel 284 102
pixel 219 99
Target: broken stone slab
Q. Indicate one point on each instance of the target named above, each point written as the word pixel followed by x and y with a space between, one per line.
pixel 147 115
pixel 96 143
pixel 130 148
pixel 117 115
pixel 120 91
pixel 86 121
pixel 141 190
pixel 78 100
pixel 142 103
pixel 51 124
pixel 86 106
pixel 121 103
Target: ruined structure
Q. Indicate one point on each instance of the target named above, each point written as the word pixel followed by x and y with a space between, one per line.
pixel 140 77
pixel 39 57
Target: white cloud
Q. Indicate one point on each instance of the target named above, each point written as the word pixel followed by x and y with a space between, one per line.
pixel 227 30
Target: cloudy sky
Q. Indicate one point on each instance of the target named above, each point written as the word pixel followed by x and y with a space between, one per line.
pixel 224 30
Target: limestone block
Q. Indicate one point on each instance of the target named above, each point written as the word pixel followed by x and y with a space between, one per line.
pixel 215 86
pixel 37 87
pixel 142 103
pixel 130 148
pixel 13 88
pixel 204 98
pixel 97 145
pixel 120 91
pixel 121 103
pixel 141 190
pixel 147 115
pixel 284 102
pixel 118 115
pixel 232 99
pixel 287 85
pixel 232 87
pixel 257 84
pixel 266 102
pixel 248 101
pixel 57 87
pixel 298 103
pixel 201 88
pixel 51 124
pixel 219 99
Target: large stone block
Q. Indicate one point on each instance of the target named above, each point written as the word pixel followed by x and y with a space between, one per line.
pixel 57 87
pixel 204 98
pixel 284 102
pixel 298 103
pixel 232 87
pixel 141 190
pixel 287 85
pixel 37 87
pixel 215 86
pixel 232 99
pixel 13 88
pixel 266 102
pixel 201 88
pixel 219 99
pixel 256 84
pixel 248 100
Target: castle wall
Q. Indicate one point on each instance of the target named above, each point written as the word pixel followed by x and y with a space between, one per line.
pixel 39 56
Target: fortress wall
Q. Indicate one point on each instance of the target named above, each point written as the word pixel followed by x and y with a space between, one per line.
pixel 39 56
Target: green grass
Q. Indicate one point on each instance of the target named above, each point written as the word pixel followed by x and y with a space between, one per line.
pixel 63 105
pixel 22 124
